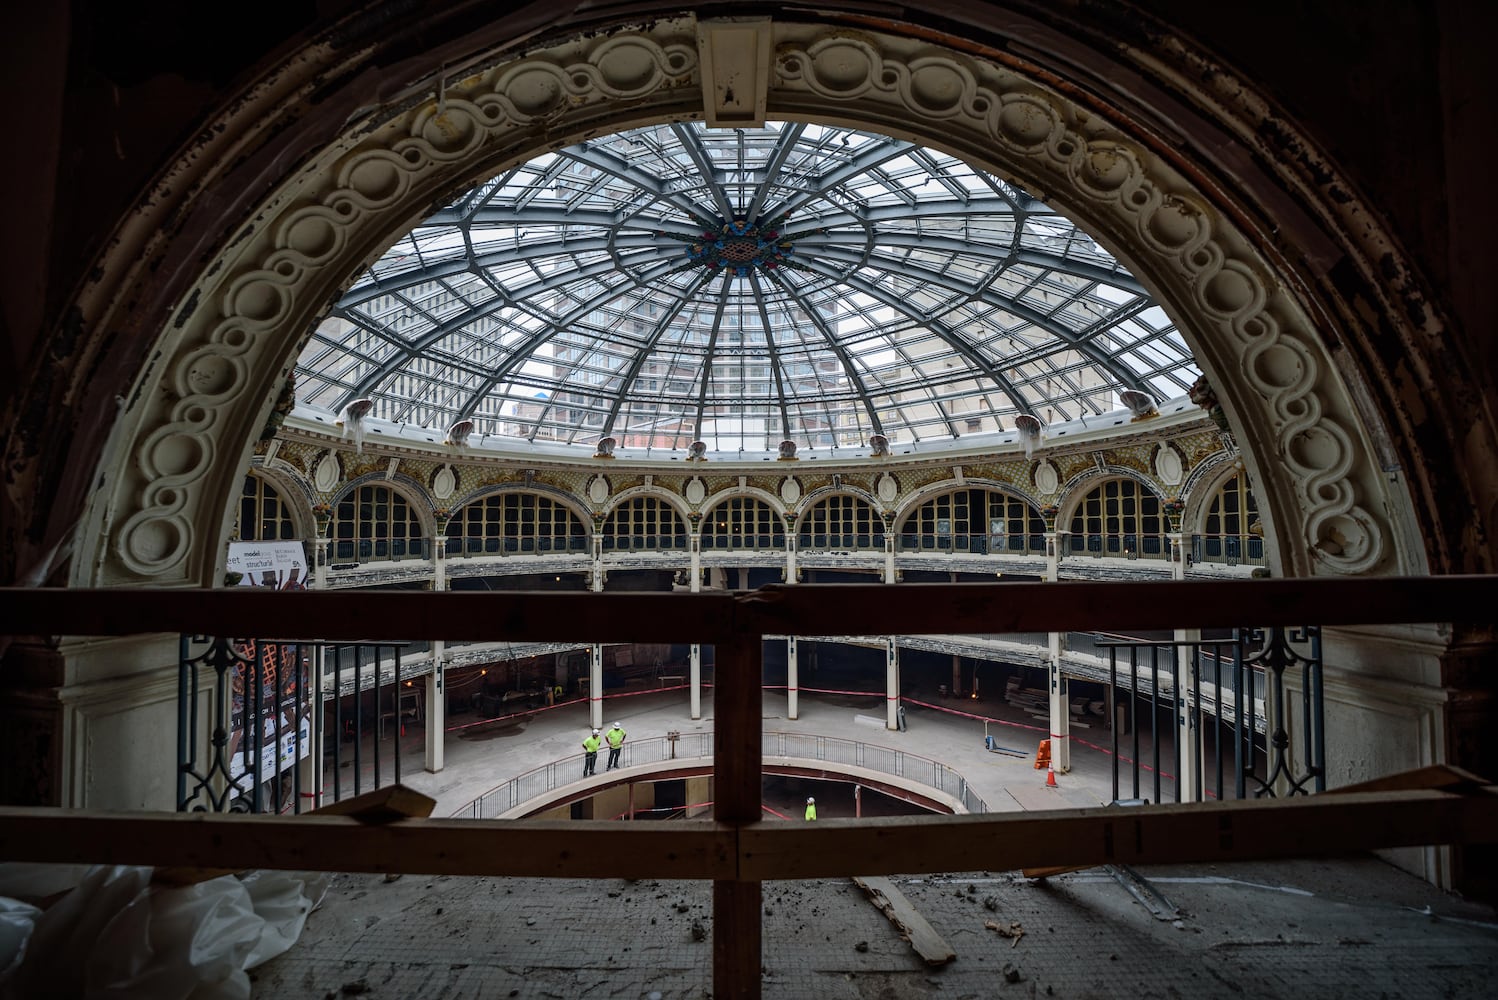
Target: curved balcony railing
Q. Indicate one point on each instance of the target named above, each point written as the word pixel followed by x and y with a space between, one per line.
pixel 835 750
pixel 974 544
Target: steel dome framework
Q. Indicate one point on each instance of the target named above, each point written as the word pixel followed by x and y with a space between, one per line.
pixel 742 287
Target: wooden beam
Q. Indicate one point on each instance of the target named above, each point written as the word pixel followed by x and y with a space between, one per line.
pixel 692 849
pixel 913 927
pixel 1205 831
pixel 801 610
pixel 738 698
pixel 382 805
pixel 756 852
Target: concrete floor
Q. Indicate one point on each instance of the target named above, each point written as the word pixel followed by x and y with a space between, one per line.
pixel 1355 927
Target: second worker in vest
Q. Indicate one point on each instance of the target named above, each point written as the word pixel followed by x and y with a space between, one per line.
pixel 811 808
pixel 615 737
pixel 591 743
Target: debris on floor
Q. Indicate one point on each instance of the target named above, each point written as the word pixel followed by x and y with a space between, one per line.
pixel 912 926
pixel 1014 931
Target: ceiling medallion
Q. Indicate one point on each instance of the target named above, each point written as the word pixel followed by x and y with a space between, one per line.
pixel 741 248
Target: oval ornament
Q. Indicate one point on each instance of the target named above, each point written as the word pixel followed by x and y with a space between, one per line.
pixel 1046 478
pixel 790 490
pixel 695 491
pixel 325 475
pixel 598 489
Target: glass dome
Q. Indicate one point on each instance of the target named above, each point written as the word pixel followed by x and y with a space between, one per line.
pixel 742 287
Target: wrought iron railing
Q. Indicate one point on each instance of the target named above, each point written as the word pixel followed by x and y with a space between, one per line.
pixel 271 741
pixel 1228 689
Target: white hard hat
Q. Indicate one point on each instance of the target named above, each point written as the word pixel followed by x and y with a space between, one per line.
pixel 616 725
pixel 595 732
pixel 809 801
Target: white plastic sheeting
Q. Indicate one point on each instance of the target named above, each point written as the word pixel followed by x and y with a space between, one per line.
pixel 114 933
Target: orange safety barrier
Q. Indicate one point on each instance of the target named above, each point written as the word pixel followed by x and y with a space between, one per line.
pixel 1043 755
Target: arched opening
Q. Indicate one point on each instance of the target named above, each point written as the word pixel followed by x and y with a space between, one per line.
pixel 1265 329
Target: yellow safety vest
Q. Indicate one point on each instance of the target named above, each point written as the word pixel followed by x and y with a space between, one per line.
pixel 614 742
pixel 592 743
pixel 811 812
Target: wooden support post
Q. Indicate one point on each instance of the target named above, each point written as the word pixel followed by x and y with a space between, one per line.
pixel 737 767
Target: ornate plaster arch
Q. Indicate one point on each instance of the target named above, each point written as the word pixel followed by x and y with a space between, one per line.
pixel 401 484
pixel 712 502
pixel 295 491
pixel 1204 483
pixel 676 503
pixel 1075 490
pixel 571 503
pixel 188 429
pixel 931 491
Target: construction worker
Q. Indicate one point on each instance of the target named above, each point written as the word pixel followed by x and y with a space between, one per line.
pixel 616 740
pixel 811 808
pixel 591 743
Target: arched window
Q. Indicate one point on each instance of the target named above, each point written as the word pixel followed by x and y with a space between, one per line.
pixel 644 524
pixel 1119 518
pixel 515 522
pixel 974 520
pixel 263 515
pixel 742 523
pixel 1226 535
pixel 374 522
pixel 841 522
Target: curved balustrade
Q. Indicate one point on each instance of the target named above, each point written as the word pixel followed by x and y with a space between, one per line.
pixel 540 781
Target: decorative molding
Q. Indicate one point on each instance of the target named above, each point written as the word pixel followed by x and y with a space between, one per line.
pixel 598 490
pixel 1047 479
pixel 1283 384
pixel 254 302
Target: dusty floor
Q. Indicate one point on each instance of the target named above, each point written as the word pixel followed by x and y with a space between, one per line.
pixel 1307 929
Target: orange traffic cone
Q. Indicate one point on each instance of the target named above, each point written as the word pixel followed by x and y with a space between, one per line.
pixel 1050 777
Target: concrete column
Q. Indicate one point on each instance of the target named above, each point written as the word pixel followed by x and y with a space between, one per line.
pixel 436 707
pixel 889 557
pixel 696 680
pixel 1177 543
pixel 1060 708
pixel 696 564
pixel 318 724
pixel 790 554
pixel 435 700
pixel 792 678
pixel 1188 719
pixel 956 688
pixel 891 683
pixel 595 686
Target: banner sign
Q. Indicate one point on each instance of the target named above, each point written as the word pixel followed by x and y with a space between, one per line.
pixel 278 565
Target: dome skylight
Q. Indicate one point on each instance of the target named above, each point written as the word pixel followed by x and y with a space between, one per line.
pixel 742 287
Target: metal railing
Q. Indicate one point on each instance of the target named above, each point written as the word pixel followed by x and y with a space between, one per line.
pixel 541 781
pixel 973 544
pixel 1207 688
